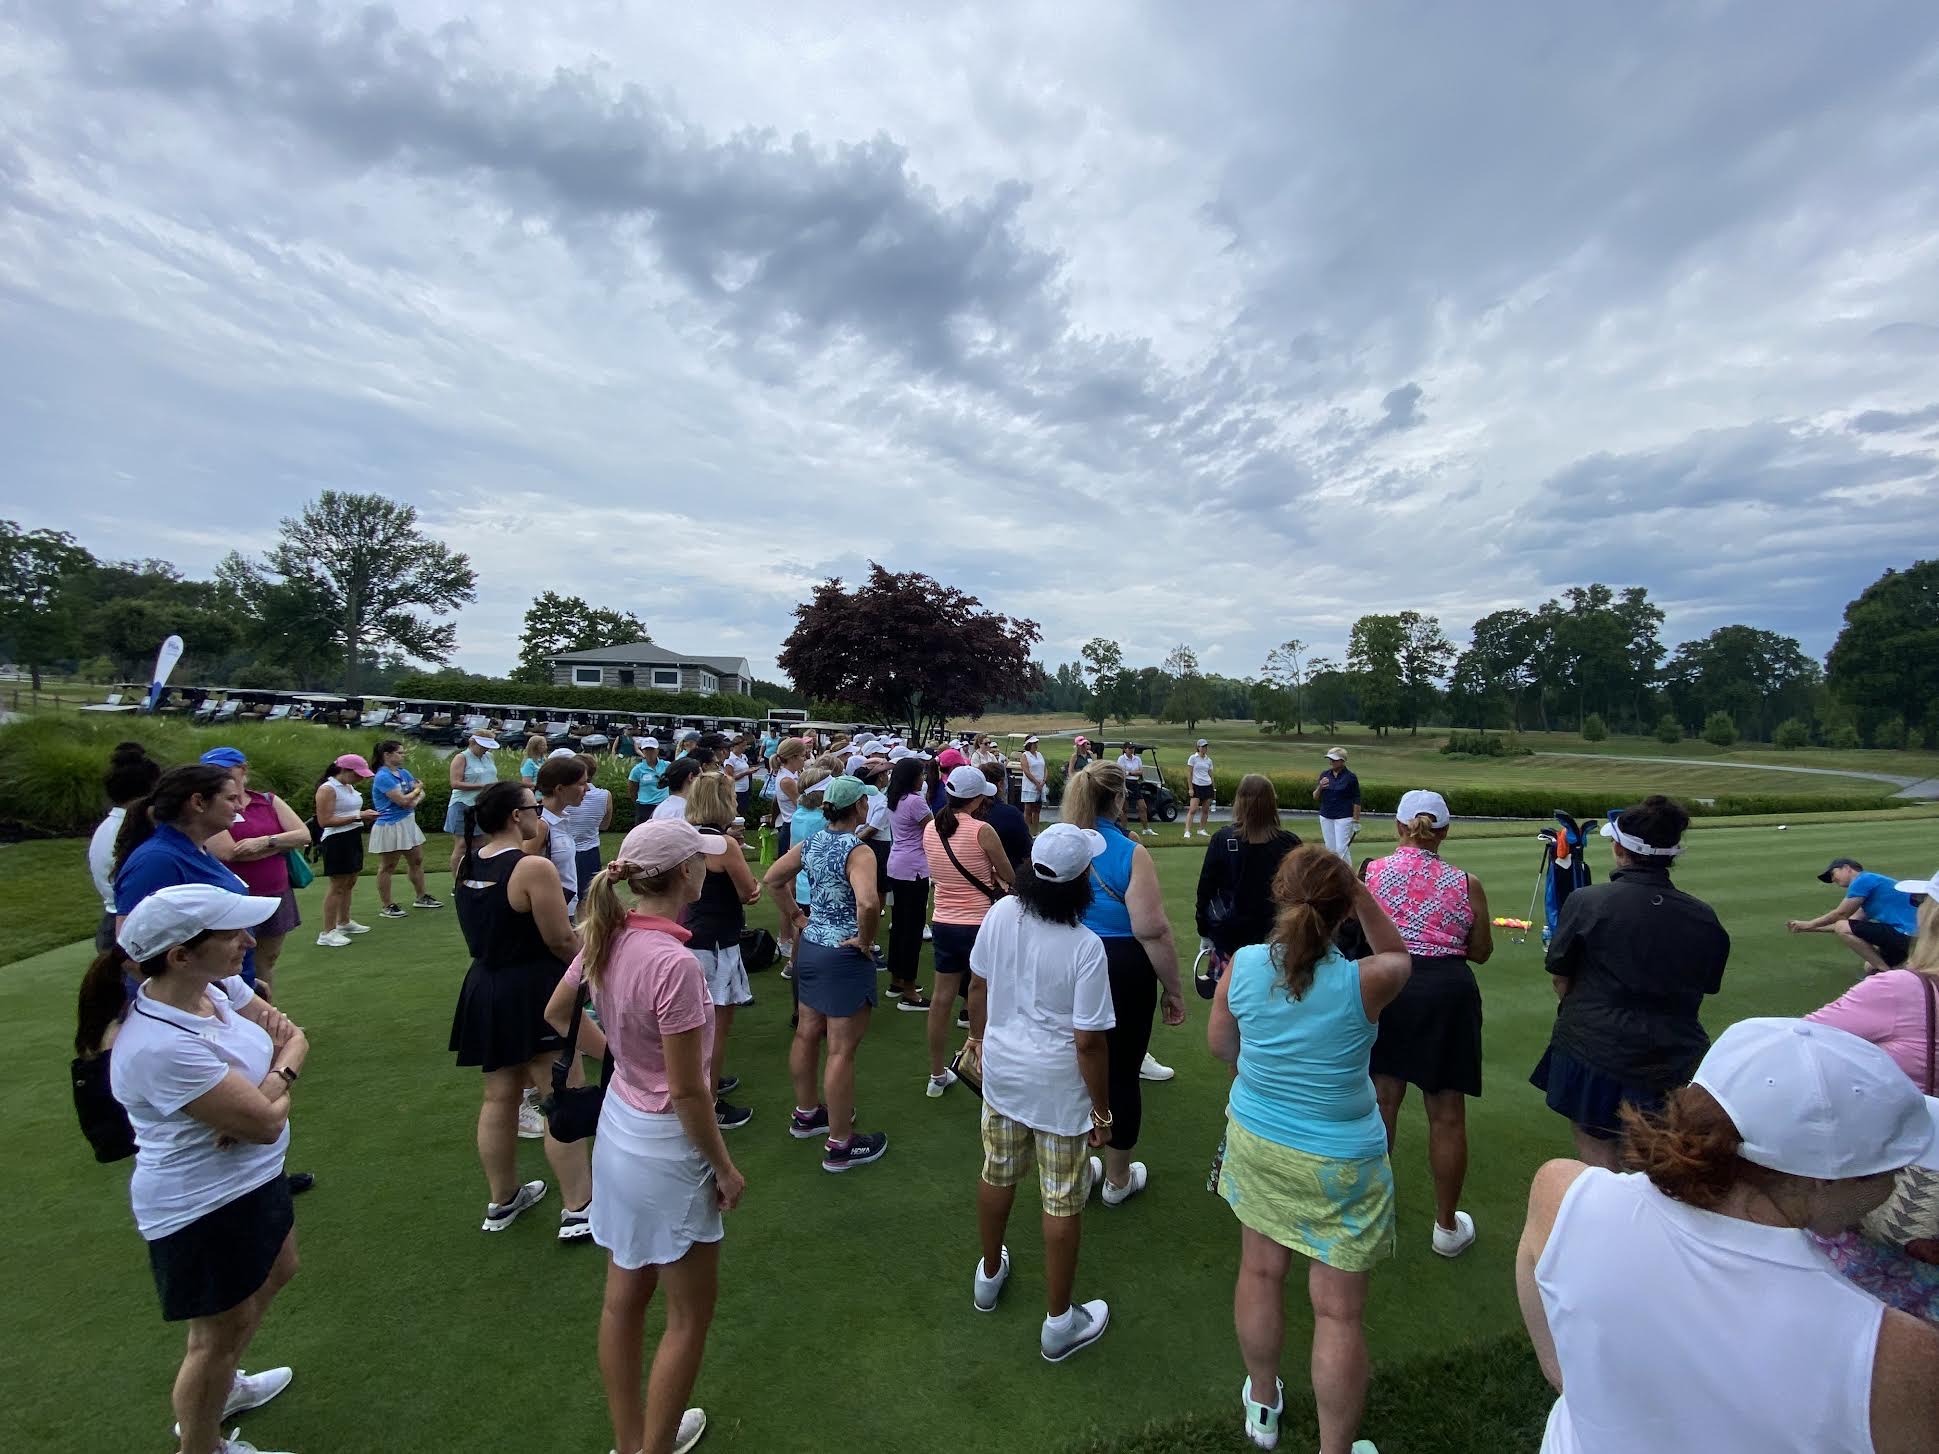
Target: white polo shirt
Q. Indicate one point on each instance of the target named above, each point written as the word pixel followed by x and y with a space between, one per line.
pixel 101 856
pixel 163 1059
pixel 1201 766
pixel 1133 765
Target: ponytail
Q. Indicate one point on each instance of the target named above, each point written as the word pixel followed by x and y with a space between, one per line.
pixel 102 999
pixel 947 817
pixel 602 917
pixel 1314 891
pixel 1421 832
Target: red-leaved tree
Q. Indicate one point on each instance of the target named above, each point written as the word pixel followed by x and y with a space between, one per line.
pixel 908 647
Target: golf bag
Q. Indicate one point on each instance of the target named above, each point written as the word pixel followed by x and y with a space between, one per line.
pixel 1564 869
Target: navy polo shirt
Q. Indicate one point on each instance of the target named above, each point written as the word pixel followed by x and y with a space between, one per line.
pixel 1339 793
pixel 1012 830
pixel 168 857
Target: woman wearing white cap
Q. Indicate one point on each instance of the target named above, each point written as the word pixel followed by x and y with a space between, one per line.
pixel 660 1165
pixel 1632 960
pixel 971 871
pixel 341 812
pixel 1199 769
pixel 472 771
pixel 1684 1308
pixel 1040 1005
pixel 1430 1035
pixel 205 1070
pixel 834 972
pixel 1036 782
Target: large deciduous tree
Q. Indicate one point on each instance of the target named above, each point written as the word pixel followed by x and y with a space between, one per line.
pixel 908 647
pixel 1104 675
pixel 1758 678
pixel 1190 695
pixel 1425 655
pixel 1885 662
pixel 39 571
pixel 1374 655
pixel 556 624
pixel 365 578
pixel 1283 679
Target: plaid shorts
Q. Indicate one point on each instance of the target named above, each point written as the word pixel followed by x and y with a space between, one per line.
pixel 1063 1163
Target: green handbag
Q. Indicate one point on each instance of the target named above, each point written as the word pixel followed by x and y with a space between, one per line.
pixel 301 876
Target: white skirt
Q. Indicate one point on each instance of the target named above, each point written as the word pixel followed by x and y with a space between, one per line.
pixel 395 837
pixel 652 1191
pixel 726 972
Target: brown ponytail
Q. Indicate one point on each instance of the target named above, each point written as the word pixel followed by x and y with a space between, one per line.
pixel 103 997
pixel 1688 1150
pixel 1314 891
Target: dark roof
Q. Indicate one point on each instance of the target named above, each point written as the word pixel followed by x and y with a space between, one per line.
pixel 645 653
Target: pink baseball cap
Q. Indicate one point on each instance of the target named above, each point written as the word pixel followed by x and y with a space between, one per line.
pixel 949 757
pixel 351 762
pixel 664 843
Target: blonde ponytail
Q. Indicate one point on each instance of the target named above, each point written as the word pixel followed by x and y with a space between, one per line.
pixel 601 918
pixel 1421 833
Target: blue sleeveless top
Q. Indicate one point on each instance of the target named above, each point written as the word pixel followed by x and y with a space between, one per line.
pixel 831 901
pixel 1303 1078
pixel 1108 916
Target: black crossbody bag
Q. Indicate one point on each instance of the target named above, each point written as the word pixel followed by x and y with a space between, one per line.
pixel 572 1111
pixel 990 891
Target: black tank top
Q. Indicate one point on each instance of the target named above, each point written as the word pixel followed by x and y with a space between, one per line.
pixel 498 936
pixel 716 918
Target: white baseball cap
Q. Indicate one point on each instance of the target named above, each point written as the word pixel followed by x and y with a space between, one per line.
pixel 1203 743
pixel 652 742
pixel 560 752
pixel 1812 1100
pixel 1918 887
pixel 1030 739
pixel 1064 850
pixel 1416 801
pixel 968 782
pixel 176 914
pixel 490 744
pixel 1336 754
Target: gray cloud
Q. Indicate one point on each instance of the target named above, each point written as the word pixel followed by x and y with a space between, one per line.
pixel 1887 421
pixel 1400 410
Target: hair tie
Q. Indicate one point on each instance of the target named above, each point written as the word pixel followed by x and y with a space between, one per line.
pixel 624 869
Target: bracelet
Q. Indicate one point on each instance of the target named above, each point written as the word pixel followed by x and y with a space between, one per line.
pixel 1101 1119
pixel 973 1040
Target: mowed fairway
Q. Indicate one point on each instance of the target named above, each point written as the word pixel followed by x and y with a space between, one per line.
pixel 845 1319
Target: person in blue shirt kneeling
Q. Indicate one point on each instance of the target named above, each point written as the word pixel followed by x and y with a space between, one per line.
pixel 1874 920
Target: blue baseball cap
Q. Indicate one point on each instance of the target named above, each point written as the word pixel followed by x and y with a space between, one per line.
pixel 225 757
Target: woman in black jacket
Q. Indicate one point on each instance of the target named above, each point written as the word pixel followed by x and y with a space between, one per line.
pixel 1235 904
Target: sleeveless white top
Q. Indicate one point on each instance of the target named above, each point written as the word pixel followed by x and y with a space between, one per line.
pixel 350 802
pixel 1682 1329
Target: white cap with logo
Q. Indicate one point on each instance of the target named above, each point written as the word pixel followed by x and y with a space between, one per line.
pixel 1336 754
pixel 1064 850
pixel 1816 1101
pixel 1416 801
pixel 178 913
pixel 968 782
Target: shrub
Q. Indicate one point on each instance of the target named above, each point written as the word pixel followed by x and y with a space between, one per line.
pixel 1669 731
pixel 1889 733
pixel 1484 744
pixel 1843 736
pixel 1791 734
pixel 1593 729
pixel 1719 729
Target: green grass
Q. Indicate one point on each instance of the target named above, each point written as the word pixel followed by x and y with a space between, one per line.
pixel 411 1330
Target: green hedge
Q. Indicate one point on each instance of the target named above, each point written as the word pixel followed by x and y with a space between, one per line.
pixel 605 699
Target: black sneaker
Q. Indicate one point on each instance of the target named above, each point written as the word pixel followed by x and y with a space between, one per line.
pixel 859 1150
pixel 914 1001
pixel 814 1123
pixel 425 901
pixel 727 1085
pixel 392 911
pixel 729 1117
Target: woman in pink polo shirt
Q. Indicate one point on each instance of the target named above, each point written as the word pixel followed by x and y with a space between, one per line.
pixel 661 1172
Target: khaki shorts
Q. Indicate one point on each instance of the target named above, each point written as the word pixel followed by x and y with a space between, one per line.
pixel 1063 1163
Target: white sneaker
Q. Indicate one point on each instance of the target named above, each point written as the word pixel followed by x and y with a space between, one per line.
pixel 1087 1322
pixel 575 1226
pixel 940 1083
pixel 1203 833
pixel 531 1125
pixel 251 1391
pixel 1151 832
pixel 1460 1239
pixel 1152 1070
pixel 332 939
pixel 236 1444
pixel 1118 1196
pixel 351 926
pixel 1262 1420
pixel 988 1289
pixel 693 1423
pixel 498 1218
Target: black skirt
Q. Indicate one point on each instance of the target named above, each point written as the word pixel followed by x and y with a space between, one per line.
pixel 1430 1036
pixel 500 1020
pixel 343 854
pixel 221 1258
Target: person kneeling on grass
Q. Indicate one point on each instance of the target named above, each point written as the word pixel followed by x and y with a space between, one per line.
pixel 1304 1166
pixel 661 1168
pixel 1040 1002
pixel 1875 919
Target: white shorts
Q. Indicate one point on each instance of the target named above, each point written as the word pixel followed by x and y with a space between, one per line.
pixel 652 1190
pixel 1032 793
pixel 727 982
pixel 395 837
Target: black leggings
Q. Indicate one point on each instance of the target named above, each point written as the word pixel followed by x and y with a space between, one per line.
pixel 1134 999
pixel 911 899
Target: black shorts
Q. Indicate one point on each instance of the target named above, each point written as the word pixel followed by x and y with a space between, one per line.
pixel 343 854
pixel 952 944
pixel 1201 793
pixel 222 1257
pixel 1893 945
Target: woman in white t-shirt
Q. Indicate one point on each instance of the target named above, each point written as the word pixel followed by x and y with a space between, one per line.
pixel 1132 765
pixel 789 758
pixel 1035 783
pixel 204 1069
pixel 1198 768
pixel 1040 1003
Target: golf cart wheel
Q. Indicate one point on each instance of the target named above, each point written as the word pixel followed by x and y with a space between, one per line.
pixel 1168 813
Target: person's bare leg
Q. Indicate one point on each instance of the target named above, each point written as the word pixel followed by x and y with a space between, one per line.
pixel 1595 1151
pixel 571 1161
pixel 1117 1166
pixel 349 892
pixel 208 1369
pixel 723 1023
pixel 386 866
pixel 692 1284
pixel 804 1057
pixel 622 1340
pixel 1259 1309
pixel 1339 1353
pixel 498 1132
pixel 838 1080
pixel 1391 1093
pixel 269 949
pixel 1874 961
pixel 993 1205
pixel 942 1018
pixel 1447 1152
pixel 414 865
pixel 1061 1236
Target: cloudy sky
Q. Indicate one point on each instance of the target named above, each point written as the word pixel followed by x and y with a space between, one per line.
pixel 1217 323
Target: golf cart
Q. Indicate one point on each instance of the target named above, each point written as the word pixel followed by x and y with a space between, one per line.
pixel 1158 799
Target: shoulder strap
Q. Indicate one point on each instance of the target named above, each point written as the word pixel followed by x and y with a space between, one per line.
pixel 1932 1044
pixel 562 1067
pixel 1098 879
pixel 990 891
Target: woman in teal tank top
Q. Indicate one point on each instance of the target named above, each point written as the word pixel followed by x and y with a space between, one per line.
pixel 1304 1165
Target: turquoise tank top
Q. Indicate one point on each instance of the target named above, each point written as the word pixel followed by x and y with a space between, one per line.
pixel 1303 1078
pixel 1108 917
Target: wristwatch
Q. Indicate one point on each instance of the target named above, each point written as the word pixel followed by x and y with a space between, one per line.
pixel 288 1075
